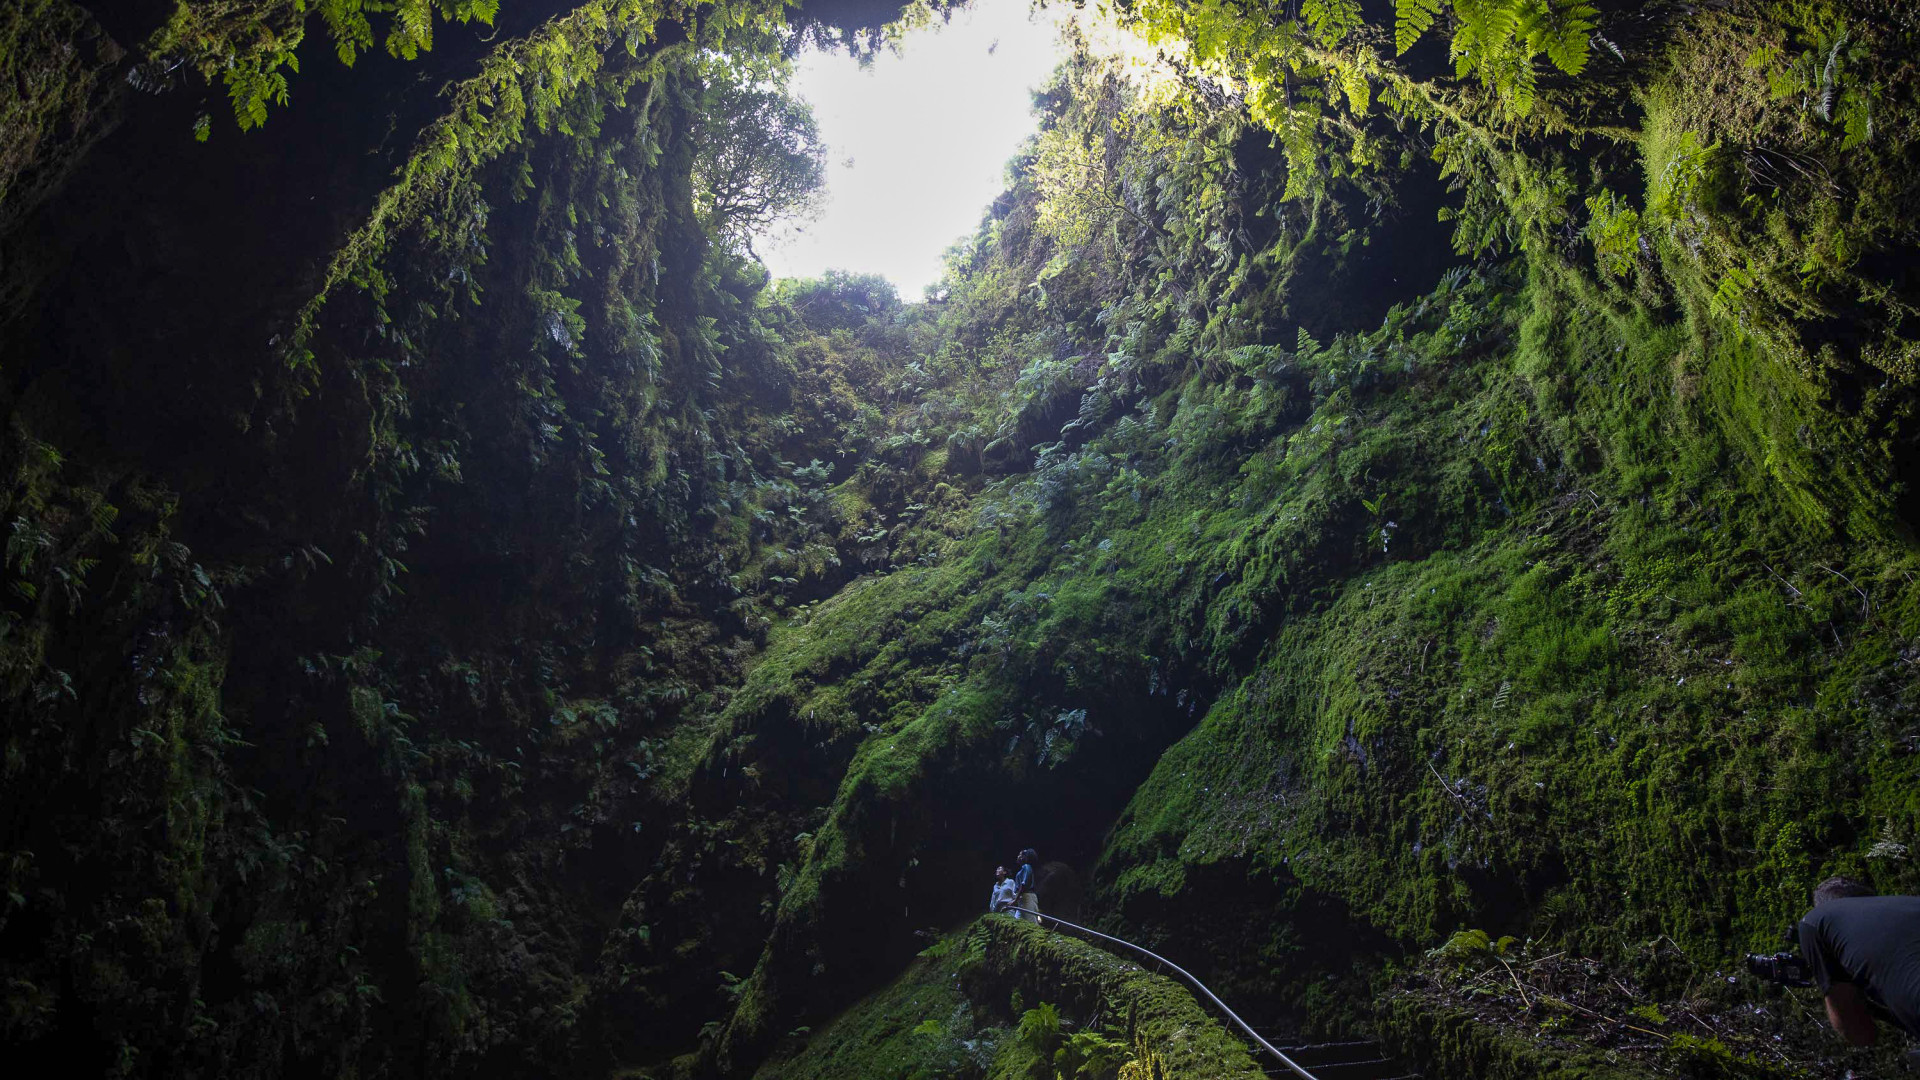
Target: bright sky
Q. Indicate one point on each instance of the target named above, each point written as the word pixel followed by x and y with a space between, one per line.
pixel 928 132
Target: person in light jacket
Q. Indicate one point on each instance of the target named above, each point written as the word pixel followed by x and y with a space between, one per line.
pixel 1004 893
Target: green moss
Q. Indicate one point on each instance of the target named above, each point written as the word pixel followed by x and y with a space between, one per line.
pixel 1773 189
pixel 920 1026
pixel 1463 1041
pixel 1494 602
pixel 1569 600
pixel 1161 1017
pixel 55 60
pixel 958 1011
pixel 1640 679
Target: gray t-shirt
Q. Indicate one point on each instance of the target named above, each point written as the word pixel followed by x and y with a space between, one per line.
pixel 1872 942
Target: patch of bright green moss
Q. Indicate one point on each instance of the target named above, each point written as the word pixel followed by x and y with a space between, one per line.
pixel 1663 670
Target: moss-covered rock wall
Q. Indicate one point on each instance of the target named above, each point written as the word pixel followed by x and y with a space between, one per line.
pixel 376 492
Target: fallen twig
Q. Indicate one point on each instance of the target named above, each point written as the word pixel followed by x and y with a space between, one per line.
pixel 1783 581
pixel 1448 788
pixel 1603 1016
pixel 1866 606
pixel 1524 1000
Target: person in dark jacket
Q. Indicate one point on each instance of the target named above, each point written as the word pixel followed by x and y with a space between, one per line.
pixel 1029 901
pixel 1861 949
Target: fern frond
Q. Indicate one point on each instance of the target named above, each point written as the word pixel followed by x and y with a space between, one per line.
pixel 412 30
pixel 1484 31
pixel 1411 18
pixel 1731 295
pixel 1856 116
pixel 1519 89
pixel 347 21
pixel 1354 82
pixel 1466 46
pixel 1498 21
pixel 1566 36
pixel 1829 77
pixel 1332 20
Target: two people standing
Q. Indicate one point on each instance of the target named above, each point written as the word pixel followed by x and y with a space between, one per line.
pixel 1017 894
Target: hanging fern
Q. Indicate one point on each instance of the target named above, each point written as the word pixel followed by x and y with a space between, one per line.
pixel 412 31
pixel 1411 19
pixel 1484 33
pixel 1518 84
pixel 250 47
pixel 1331 20
pixel 1499 39
pixel 1565 34
pixel 352 32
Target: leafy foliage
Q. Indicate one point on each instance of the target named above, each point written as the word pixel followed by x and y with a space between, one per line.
pixel 251 45
pixel 1411 18
pixel 56 62
pixel 760 159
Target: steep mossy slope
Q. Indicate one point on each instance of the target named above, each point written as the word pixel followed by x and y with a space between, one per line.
pixel 461 616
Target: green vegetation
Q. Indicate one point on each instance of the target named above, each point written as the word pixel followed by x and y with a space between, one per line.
pixel 53 59
pixel 959 1011
pixel 1383 518
pixel 250 46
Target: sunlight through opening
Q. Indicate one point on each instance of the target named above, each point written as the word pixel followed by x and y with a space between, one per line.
pixel 918 141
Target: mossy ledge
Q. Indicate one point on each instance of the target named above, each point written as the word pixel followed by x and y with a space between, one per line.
pixel 1454 1042
pixel 951 1013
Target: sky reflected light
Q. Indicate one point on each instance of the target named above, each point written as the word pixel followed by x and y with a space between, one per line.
pixel 918 142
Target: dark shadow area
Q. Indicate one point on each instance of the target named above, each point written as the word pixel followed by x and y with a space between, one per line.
pixel 1408 248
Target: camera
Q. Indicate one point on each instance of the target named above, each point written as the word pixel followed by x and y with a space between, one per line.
pixel 1786 968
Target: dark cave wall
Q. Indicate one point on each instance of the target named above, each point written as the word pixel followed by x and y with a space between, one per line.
pixel 333 688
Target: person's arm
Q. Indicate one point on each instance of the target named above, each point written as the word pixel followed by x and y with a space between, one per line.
pixel 1847 1012
pixel 1846 1003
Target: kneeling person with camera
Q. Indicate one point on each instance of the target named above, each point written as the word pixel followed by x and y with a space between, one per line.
pixel 1861 949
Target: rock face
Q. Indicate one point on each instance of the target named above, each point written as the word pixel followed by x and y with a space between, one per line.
pixel 461 617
